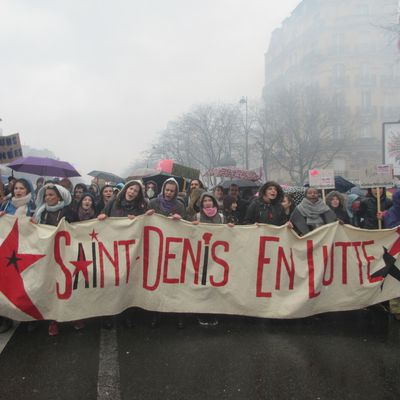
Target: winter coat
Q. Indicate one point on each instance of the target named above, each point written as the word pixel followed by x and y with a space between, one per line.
pixel 368 209
pixel 392 217
pixel 300 225
pixel 265 213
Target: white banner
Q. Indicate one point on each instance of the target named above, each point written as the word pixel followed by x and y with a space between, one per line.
pixel 94 268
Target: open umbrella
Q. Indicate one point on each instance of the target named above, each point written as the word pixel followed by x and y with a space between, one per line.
pixel 106 176
pixel 44 166
pixel 242 183
pixel 233 172
pixel 296 192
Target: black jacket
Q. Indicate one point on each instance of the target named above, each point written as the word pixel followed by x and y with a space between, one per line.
pixel 367 212
pixel 265 213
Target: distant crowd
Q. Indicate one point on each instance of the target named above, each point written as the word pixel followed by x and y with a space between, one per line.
pixel 47 202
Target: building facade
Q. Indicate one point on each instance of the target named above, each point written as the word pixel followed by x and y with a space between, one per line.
pixel 347 48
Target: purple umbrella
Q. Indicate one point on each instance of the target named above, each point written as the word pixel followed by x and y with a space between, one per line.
pixel 44 166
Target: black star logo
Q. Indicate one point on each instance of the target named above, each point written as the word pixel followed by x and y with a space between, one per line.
pixel 13 260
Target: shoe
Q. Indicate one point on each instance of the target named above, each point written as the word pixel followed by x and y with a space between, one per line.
pixel 129 323
pixel 213 322
pixel 53 328
pixel 154 322
pixel 5 324
pixel 107 323
pixel 207 321
pixel 180 323
pixel 78 325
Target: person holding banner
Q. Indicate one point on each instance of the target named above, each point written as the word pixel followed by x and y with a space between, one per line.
pixel 392 220
pixel 20 203
pixel 267 208
pixel 167 203
pixel 368 213
pixel 311 213
pixel 52 205
pixel 129 202
pixel 208 214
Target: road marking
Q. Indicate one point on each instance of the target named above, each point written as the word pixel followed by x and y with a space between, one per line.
pixel 108 382
pixel 6 336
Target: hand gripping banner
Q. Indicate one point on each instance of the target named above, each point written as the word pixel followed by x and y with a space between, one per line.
pixel 81 270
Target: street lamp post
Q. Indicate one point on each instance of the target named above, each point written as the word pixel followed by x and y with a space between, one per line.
pixel 243 100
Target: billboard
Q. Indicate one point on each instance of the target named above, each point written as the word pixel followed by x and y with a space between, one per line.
pixel 391 145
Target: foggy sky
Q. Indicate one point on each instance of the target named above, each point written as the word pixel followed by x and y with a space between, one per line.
pixel 94 81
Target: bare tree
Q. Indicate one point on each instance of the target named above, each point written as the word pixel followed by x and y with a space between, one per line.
pixel 203 137
pixel 299 129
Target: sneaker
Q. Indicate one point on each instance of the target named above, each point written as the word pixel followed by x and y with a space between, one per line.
pixel 154 321
pixel 180 324
pixel 53 328
pixel 207 321
pixel 78 325
pixel 128 322
pixel 107 323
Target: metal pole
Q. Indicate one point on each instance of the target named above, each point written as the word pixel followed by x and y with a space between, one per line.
pixel 243 100
pixel 247 139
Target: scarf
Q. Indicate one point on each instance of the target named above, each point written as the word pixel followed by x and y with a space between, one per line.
pixel 21 204
pixel 48 208
pixel 167 206
pixel 313 211
pixel 210 212
pixel 84 215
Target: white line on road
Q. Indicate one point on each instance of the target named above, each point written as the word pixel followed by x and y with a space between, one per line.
pixel 6 336
pixel 108 383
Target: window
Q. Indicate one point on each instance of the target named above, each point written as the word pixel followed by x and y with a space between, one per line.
pixel 366 99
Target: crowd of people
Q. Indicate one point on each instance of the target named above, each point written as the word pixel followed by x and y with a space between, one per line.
pixel 50 201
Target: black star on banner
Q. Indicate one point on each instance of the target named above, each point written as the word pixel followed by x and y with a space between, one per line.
pixel 13 260
pixel 389 268
pixel 94 235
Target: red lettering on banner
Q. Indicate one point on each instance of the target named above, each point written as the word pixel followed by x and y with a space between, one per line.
pixel 146 256
pixel 58 259
pixel 126 244
pixel 344 246
pixel 262 260
pixel 290 270
pixel 369 259
pixel 114 262
pixel 356 245
pixel 170 256
pixel 188 250
pixel 328 281
pixel 221 262
pixel 311 271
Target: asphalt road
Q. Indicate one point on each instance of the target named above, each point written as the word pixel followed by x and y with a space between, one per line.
pixel 347 355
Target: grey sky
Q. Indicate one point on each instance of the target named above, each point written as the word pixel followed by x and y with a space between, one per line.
pixel 94 80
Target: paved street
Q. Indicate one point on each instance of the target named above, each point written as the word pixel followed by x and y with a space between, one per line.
pixel 348 355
